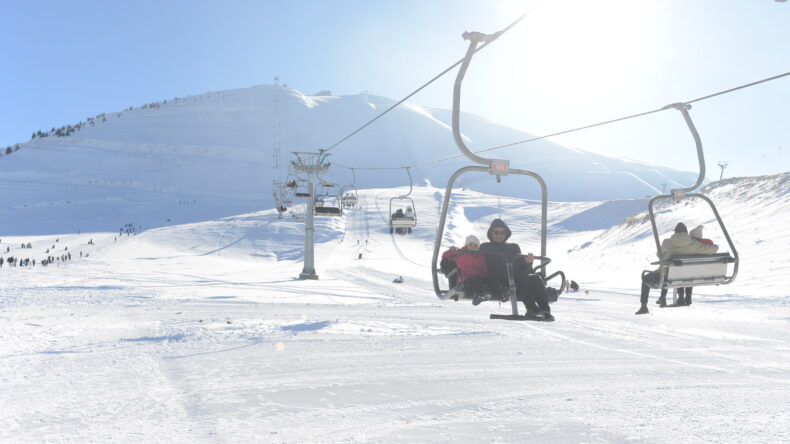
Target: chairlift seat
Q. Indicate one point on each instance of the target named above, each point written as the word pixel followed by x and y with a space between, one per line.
pixel 402 222
pixel 327 211
pixel 693 271
pixel 302 194
pixel 457 293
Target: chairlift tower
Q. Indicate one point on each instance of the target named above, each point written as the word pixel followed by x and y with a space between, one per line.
pixel 276 139
pixel 723 165
pixel 311 165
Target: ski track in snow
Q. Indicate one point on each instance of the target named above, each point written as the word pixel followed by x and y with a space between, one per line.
pixel 190 334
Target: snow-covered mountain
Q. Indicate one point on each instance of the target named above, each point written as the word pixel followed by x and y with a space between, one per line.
pixel 212 155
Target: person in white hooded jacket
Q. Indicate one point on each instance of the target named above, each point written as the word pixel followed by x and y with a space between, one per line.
pixel 678 244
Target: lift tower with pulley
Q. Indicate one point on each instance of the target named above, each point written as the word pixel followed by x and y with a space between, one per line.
pixel 311 165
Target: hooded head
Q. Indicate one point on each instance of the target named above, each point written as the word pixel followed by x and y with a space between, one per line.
pixel 697 232
pixel 498 224
pixel 681 228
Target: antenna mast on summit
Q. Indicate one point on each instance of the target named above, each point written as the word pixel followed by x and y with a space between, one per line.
pixel 723 165
pixel 276 130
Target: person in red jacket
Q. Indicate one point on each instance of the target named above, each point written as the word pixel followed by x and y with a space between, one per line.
pixel 472 268
pixel 697 234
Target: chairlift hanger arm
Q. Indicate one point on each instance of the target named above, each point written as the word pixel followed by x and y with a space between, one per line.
pixel 474 38
pixel 410 183
pixel 684 110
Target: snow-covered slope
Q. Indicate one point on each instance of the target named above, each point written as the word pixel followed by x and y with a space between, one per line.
pixel 200 332
pixel 212 155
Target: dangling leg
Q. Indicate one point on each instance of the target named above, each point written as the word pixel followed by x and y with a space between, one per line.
pixel 522 290
pixel 643 299
pixel 662 300
pixel 688 295
pixel 536 289
pixel 474 288
pixel 681 296
pixel 497 273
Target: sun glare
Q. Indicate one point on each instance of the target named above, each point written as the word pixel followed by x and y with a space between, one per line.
pixel 586 51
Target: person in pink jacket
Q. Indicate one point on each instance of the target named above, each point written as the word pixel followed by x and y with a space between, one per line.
pixel 472 268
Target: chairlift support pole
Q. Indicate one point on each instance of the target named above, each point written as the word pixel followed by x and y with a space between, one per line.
pixel 312 164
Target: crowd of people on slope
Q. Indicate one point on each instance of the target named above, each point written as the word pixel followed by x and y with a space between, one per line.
pixel 130 230
pixel 52 258
pixel 49 259
pixel 16 260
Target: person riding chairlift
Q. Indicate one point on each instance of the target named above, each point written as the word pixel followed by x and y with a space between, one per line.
pixel 679 243
pixel 472 268
pixel 530 287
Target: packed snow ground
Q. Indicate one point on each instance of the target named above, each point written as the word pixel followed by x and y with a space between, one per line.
pixel 202 333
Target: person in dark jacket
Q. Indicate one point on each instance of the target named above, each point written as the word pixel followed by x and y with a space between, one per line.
pixel 530 287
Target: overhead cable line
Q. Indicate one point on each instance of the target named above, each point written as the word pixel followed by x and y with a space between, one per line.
pixel 493 38
pixel 620 119
pixel 739 87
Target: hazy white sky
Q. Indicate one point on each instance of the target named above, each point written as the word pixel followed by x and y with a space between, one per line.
pixel 569 63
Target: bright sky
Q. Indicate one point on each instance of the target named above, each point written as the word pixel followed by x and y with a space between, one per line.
pixel 569 63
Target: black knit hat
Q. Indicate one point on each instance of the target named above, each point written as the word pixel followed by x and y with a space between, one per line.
pixel 681 228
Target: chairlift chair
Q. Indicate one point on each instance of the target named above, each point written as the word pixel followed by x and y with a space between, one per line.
pixel 692 270
pixel 327 205
pixel 399 221
pixel 491 167
pixel 350 199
